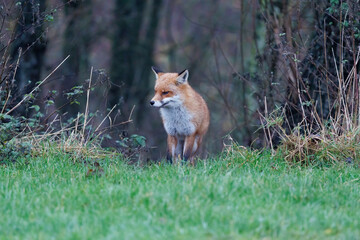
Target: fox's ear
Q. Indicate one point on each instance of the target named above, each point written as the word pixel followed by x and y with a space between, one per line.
pixel 156 71
pixel 183 77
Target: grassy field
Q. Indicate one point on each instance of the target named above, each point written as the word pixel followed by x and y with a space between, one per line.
pixel 246 196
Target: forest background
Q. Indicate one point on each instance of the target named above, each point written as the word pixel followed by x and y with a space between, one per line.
pixel 248 59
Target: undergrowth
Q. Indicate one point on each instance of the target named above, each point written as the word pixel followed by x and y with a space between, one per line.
pixel 26 131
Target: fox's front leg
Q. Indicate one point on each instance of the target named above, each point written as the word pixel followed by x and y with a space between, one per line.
pixel 171 142
pixel 175 149
pixel 189 146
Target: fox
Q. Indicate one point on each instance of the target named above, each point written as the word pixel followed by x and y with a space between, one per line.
pixel 184 114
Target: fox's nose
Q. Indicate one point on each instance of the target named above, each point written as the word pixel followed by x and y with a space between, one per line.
pixel 152 102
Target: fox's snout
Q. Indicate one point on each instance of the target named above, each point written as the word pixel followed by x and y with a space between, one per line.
pixel 155 102
pixel 164 102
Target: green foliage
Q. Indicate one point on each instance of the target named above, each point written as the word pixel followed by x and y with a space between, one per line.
pixel 131 147
pixel 138 140
pixel 8 125
pixel 14 151
pixel 50 17
pixel 14 127
pixel 74 94
pixel 11 149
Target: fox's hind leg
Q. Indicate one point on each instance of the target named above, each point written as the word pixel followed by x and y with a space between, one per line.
pixel 195 148
pixel 179 149
pixel 197 144
pixel 189 146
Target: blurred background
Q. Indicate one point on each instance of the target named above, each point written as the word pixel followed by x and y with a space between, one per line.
pixel 246 58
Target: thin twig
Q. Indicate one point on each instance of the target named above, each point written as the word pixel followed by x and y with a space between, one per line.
pixel 9 93
pixel 105 118
pixel 27 95
pixel 268 129
pixel 87 105
pixel 132 110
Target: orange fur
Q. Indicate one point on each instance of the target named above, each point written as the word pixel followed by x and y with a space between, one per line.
pixel 187 106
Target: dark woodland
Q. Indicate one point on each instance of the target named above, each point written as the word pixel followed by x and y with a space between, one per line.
pixel 248 59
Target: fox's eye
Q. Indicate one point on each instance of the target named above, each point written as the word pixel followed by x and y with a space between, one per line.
pixel 165 93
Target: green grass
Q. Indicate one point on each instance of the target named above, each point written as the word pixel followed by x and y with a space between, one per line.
pixel 238 197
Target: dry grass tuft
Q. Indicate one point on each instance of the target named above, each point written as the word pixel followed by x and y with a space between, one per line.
pixel 317 149
pixel 71 140
pixel 78 138
pixel 315 140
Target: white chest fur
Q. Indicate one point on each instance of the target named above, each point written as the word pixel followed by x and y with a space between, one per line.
pixel 177 121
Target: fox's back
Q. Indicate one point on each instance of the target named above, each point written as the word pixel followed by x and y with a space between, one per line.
pixel 197 107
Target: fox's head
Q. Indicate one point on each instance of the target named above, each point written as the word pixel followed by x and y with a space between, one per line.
pixel 168 88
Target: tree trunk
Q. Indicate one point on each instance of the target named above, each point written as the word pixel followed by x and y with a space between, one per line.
pixel 133 45
pixel 29 37
pixel 77 39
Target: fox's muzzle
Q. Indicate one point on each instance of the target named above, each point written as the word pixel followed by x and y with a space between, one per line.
pixel 156 103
